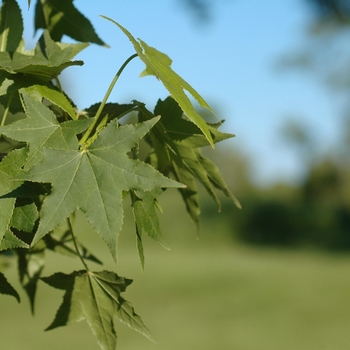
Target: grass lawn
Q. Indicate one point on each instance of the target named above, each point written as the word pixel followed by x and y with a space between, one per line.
pixel 203 294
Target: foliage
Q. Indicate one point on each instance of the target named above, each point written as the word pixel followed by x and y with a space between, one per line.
pixel 56 160
pixel 315 214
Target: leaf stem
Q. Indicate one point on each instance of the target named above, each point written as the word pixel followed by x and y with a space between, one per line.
pixel 104 101
pixel 6 112
pixel 58 84
pixel 76 246
pixel 7 109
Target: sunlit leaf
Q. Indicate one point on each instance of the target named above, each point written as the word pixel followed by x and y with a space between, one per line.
pixel 91 179
pixel 158 64
pixel 41 129
pixel 45 62
pixel 54 96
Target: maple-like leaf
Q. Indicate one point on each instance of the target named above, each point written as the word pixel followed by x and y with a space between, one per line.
pixel 159 65
pixel 41 129
pixel 63 18
pixel 93 179
pixel 95 297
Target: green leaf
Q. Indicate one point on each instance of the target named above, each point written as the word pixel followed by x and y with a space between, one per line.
pixel 216 179
pixel 46 62
pixel 24 217
pixel 7 206
pixel 39 66
pixel 10 83
pixel 177 146
pixel 158 64
pixel 181 130
pixel 10 167
pixel 41 129
pixel 112 110
pixel 6 288
pixel 63 18
pixel 94 179
pixel 190 193
pixel 145 215
pixel 11 241
pixel 54 96
pixel 95 297
pixel 11 26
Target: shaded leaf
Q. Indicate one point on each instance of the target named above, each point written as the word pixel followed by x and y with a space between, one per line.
pixel 177 146
pixel 112 110
pixel 11 241
pixel 63 18
pixel 216 179
pixel 29 190
pixel 10 167
pixel 158 64
pixel 95 297
pixel 145 216
pixel 65 246
pixel 181 130
pixel 7 206
pixel 24 217
pixel 11 26
pixel 190 193
pixel 10 83
pixel 30 266
pixel 7 289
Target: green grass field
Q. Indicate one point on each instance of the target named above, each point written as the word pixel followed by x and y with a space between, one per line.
pixel 203 294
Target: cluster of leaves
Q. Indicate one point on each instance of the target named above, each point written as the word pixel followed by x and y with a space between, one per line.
pixel 56 160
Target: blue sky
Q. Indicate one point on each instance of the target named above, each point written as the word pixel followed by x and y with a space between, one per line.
pixel 231 62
